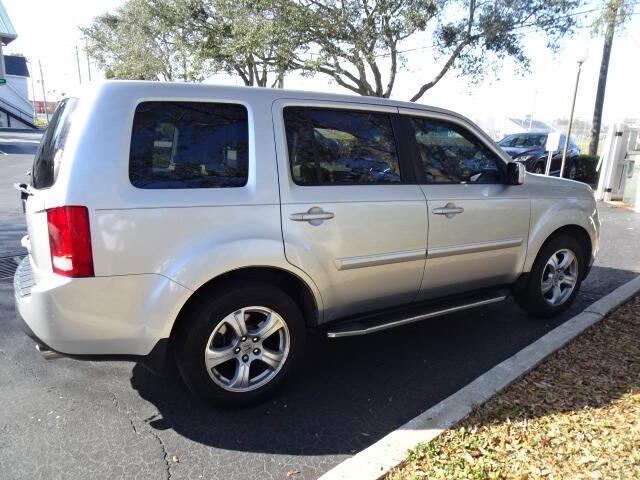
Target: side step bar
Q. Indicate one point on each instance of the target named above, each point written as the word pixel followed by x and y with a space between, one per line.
pixel 378 323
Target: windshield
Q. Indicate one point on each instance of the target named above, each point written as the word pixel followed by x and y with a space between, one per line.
pixel 523 140
pixel 47 159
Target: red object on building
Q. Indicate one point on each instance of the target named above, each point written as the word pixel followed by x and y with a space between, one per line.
pixel 39 106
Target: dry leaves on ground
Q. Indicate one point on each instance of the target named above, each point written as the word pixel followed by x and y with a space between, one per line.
pixel 576 416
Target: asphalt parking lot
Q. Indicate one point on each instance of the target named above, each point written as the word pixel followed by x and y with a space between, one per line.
pixel 76 420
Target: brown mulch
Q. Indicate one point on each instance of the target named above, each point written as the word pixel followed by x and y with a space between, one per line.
pixel 575 416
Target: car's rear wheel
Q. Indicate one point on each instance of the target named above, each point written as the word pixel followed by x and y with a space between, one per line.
pixel 237 346
pixel 555 278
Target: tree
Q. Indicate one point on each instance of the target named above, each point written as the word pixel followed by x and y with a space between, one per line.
pixel 614 13
pixel 357 42
pixel 137 42
pixel 245 38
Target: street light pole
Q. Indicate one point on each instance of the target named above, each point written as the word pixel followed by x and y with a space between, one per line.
pixel 573 106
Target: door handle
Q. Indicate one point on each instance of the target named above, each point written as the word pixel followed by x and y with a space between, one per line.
pixel 315 216
pixel 449 210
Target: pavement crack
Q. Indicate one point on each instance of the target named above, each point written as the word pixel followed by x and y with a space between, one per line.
pixel 165 454
pixel 116 403
pixel 149 430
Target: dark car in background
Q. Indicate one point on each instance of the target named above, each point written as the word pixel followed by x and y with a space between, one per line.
pixel 529 148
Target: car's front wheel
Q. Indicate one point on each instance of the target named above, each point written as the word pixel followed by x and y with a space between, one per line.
pixel 237 346
pixel 555 278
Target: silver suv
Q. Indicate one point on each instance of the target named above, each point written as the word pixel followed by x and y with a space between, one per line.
pixel 217 225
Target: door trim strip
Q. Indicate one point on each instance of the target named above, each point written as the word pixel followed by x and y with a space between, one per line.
pixel 349 263
pixel 473 248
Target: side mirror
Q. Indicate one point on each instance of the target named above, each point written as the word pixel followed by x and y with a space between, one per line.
pixel 515 173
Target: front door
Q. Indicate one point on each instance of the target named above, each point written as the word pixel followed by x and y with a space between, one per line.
pixel 349 220
pixel 478 224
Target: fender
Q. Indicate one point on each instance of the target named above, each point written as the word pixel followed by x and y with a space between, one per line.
pixel 201 244
pixel 551 214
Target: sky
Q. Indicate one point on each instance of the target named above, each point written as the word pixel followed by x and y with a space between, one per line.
pixel 49 32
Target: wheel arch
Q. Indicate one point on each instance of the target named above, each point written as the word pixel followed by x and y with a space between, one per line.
pixel 293 284
pixel 576 231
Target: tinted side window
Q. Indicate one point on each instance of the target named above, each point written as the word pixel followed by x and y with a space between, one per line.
pixel 449 154
pixel 189 145
pixel 340 147
pixel 47 160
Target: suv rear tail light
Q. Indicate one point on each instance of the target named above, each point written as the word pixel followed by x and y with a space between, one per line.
pixel 70 241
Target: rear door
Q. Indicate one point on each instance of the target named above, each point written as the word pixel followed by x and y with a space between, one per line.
pixel 478 224
pixel 350 218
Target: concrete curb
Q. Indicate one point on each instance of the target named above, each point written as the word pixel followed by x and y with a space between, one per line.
pixel 378 459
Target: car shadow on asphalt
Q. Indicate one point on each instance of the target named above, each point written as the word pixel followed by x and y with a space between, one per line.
pixel 351 392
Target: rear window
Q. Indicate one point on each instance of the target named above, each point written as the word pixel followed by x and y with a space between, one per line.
pixel 189 145
pixel 47 160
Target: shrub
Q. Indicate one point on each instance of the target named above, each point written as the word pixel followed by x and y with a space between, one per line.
pixel 586 169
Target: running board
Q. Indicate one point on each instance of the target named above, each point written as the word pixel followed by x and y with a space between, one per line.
pixel 377 323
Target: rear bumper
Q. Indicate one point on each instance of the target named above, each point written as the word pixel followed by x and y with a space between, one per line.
pixel 156 360
pixel 125 317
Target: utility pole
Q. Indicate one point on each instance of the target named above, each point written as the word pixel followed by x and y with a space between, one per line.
pixel 33 91
pixel 596 123
pixel 88 63
pixel 573 106
pixel 78 63
pixel 44 94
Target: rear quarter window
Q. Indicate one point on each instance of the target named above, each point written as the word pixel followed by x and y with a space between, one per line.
pixel 189 145
pixel 49 155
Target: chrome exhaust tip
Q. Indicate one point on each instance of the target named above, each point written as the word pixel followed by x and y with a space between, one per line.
pixel 48 354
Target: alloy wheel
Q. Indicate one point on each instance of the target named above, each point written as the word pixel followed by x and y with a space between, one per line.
pixel 247 349
pixel 559 277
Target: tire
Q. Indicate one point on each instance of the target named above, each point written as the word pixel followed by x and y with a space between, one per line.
pixel 240 370
pixel 531 297
pixel 539 168
pixel 572 172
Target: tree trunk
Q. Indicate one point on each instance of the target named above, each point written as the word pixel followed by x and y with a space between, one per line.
pixel 602 85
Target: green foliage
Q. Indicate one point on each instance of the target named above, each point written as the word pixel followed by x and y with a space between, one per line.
pixel 473 460
pixel 347 39
pixel 586 169
pixel 614 13
pixel 357 43
pixel 143 40
pixel 251 39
